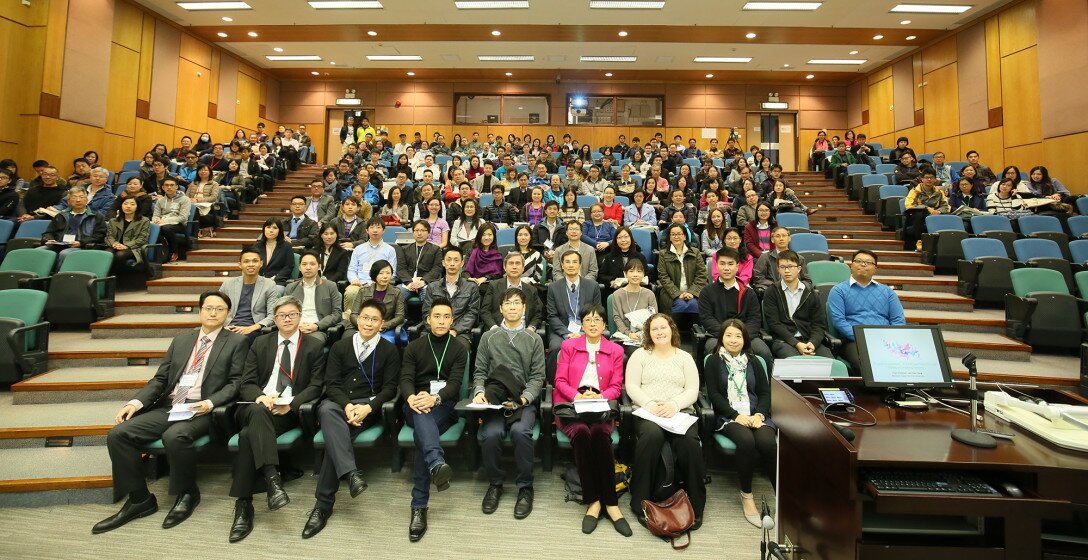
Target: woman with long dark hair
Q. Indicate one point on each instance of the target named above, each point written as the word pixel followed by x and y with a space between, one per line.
pixel 277 258
pixel 332 257
pixel 484 261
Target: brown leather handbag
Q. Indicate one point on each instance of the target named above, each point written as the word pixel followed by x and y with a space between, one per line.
pixel 671 518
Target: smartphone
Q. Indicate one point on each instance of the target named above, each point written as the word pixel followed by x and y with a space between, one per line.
pixel 834 396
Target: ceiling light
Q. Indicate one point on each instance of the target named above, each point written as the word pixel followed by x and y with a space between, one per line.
pixel 496 33
pixel 911 37
pixel 333 62
pixel 221 34
pixel 771 6
pixel 491 4
pixel 277 49
pixel 372 33
pixel 929 9
pixel 607 74
pixel 214 6
pixel 506 58
pixel 626 4
pixel 810 76
pixel 346 4
pixel 609 58
pixel 622 33
pixel 228 19
pixel 292 57
pixel 750 35
pixel 411 73
pixel 392 57
pixel 710 75
pixel 723 59
pixel 509 73
pixel 905 22
pixel 252 33
pixel 316 73
pixel 877 37
pixel 836 61
pixel 853 52
pixel 785 65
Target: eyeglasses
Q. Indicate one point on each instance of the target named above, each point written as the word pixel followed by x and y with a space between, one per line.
pixel 865 264
pixel 788 267
pixel 210 309
pixel 288 316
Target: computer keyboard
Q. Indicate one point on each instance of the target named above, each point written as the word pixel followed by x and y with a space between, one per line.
pixel 928 482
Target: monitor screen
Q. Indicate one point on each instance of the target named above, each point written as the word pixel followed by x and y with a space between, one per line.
pixel 903 356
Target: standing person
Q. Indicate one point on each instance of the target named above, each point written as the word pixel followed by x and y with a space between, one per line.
pixel 361 375
pixel 591 367
pixel 171 212
pixel 794 312
pixel 860 300
pixel 200 369
pixel 509 353
pixel 282 371
pixel 662 379
pixel 431 374
pixel 740 392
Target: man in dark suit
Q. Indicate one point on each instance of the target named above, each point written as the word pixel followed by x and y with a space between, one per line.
pixel 282 371
pixel 200 371
pixel 490 312
pixel 567 297
pixel 420 263
pixel 298 226
pixel 362 374
pixel 322 305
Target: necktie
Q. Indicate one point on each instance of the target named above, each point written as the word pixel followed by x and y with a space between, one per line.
pixel 294 228
pixel 181 392
pixel 286 376
pixel 362 353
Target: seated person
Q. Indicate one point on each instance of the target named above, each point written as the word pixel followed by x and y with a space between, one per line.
pixel 782 199
pixel 901 147
pixel 277 259
pixel 457 291
pixel 924 200
pixel 549 233
pixel 907 171
pixel 365 255
pixel 384 292
pixel 127 235
pixel 534 260
pixel 349 225
pixel 574 243
pixel 984 172
pixel 171 212
pixel 521 353
pixel 484 260
pixel 567 297
pixel 610 274
pixel 500 213
pixel 740 393
pixel 301 231
pixel 418 263
pixel 747 212
pixel 860 300
pixel 840 161
pixel 963 201
pixel 322 303
pixel 596 232
pixel 74 228
pixel 639 213
pixel 757 233
pixel 765 271
pixel 332 258
pixel 253 295
pixel 491 305
pixel 729 298
pixel 794 311
pixel 681 272
pixel 632 300
pixel 1005 201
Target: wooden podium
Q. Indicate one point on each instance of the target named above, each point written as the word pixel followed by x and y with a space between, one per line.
pixel 824 510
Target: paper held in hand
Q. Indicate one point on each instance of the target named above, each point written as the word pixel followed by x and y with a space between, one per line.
pixel 183 411
pixel 677 424
pixel 591 405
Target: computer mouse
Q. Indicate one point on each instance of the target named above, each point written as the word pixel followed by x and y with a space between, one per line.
pixel 1012 490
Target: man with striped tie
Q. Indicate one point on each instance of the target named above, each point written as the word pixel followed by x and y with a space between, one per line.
pixel 199 372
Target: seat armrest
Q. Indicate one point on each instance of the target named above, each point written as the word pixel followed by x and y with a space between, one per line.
pixel 29 358
pixel 111 288
pixel 307 413
pixel 1018 312
pixel 388 413
pixel 224 420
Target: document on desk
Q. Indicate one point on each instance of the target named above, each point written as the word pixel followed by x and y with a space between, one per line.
pixel 678 424
pixel 815 368
pixel 591 405
pixel 483 406
pixel 181 411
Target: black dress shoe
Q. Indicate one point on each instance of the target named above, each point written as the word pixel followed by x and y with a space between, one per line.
pixel 491 499
pixel 697 523
pixel 417 527
pixel 622 527
pixel 183 508
pixel 640 516
pixel 277 496
pixel 589 524
pixel 128 512
pixel 524 505
pixel 440 476
pixel 356 483
pixel 316 522
pixel 243 521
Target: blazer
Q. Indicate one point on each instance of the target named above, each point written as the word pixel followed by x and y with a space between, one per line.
pixel 264 354
pixel 393 305
pixel 810 318
pixel 307 232
pixel 222 369
pixel 264 295
pixel 559 303
pixel 491 316
pixel 343 383
pixel 326 208
pixel 358 231
pixel 135 237
pixel 573 358
pixel 413 260
pixel 328 301
pixel 279 266
pixel 466 302
pixel 335 265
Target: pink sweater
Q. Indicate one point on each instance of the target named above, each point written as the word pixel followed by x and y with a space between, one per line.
pixel 573 358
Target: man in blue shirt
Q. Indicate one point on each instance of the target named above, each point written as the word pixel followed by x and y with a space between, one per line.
pixel 365 255
pixel 860 300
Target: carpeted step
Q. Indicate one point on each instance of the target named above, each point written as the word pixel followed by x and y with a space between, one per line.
pixel 951 320
pixel 945 284
pixel 78 349
pixel 885 256
pixel 45 477
pixel 129 303
pixel 144 325
pixel 936 301
pixel 82 384
pixel 985 345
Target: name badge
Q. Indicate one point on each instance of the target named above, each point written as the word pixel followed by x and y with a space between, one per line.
pixel 574 327
pixel 188 380
pixel 742 408
pixel 68 238
pixel 437 386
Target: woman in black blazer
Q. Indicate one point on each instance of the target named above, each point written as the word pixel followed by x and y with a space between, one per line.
pixel 334 259
pixel 276 255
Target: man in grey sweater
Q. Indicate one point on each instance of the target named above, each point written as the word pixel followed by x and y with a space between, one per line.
pixel 765 272
pixel 522 353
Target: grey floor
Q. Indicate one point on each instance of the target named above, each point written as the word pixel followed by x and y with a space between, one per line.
pixel 374 525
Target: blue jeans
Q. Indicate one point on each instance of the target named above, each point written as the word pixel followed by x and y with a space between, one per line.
pixel 685 305
pixel 429 454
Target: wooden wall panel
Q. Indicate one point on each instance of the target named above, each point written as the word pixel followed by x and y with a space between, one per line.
pixel 879 75
pixel 993 63
pixel 1022 110
pixel 115 150
pixel 87 47
pixel 164 77
pixel 149 133
pixel 147 58
pixel 990 145
pixel 248 98
pixel 853 103
pixel 74 134
pixel 1017 27
pixel 192 95
pixel 880 108
pixel 54 47
pixel 903 94
pixel 34 15
pixel 942 103
pixel 916 83
pixel 1067 158
pixel 123 84
pixel 939 55
pixel 1063 66
pixel 950 146
pixel 1024 157
pixel 916 135
pixel 227 97
pixel 128 26
pixel 196 51
pixel 970 64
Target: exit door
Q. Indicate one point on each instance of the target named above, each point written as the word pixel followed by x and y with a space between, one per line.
pixel 776 136
pixel 337 119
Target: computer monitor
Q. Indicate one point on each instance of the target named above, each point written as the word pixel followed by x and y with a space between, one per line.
pixel 902 357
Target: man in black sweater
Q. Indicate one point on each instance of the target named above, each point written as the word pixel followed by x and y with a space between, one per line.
pixel 795 314
pixel 361 375
pixel 431 375
pixel 729 298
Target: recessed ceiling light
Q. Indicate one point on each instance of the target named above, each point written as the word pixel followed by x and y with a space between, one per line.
pixel 810 76
pixel 491 4
pixel 316 73
pixel 877 37
pixel 193 6
pixel 622 33
pixel 333 62
pixel 772 6
pixel 609 59
pixel 346 4
pixel 607 74
pixel 911 37
pixel 930 9
pixel 372 33
pixel 393 57
pixel 411 73
pixel 228 19
pixel 506 58
pixel 836 61
pixel 292 57
pixel 252 33
pixel 785 65
pixel 750 35
pixel 905 22
pixel 723 59
pixel 626 4
pixel 496 33
pixel 710 75
pixel 509 73
pixel 277 49
pixel 853 52
pixel 221 34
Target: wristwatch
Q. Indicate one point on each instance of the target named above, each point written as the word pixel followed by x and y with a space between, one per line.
pixel 437 399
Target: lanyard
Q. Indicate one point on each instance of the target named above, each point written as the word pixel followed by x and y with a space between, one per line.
pixel 200 355
pixel 597 232
pixel 572 299
pixel 438 361
pixel 373 370
pixel 742 395
pixel 419 255
pixel 298 352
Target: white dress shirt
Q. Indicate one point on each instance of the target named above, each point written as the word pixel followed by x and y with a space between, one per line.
pixel 292 348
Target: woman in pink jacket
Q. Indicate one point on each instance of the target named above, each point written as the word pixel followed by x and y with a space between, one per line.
pixel 591 367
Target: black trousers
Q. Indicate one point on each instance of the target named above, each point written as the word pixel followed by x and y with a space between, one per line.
pixel 121 259
pixel 257 445
pixel 786 349
pixel 914 225
pixel 689 463
pixel 753 446
pixel 849 353
pixel 521 433
pixel 125 441
pixel 339 453
pixel 171 233
pixel 592 444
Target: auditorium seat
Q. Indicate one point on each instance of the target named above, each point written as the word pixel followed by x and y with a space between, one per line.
pixel 1044 253
pixel 28 234
pixel 810 246
pixel 22 265
pixel 449 438
pixel 888 209
pixel 1042 312
pixel 941 242
pixel 1045 227
pixel 24 336
pixel 1078 251
pixel 869 195
pixel 827 272
pixel 983 274
pixel 1078 226
pixel 795 222
pixel 82 291
pixel 995 227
